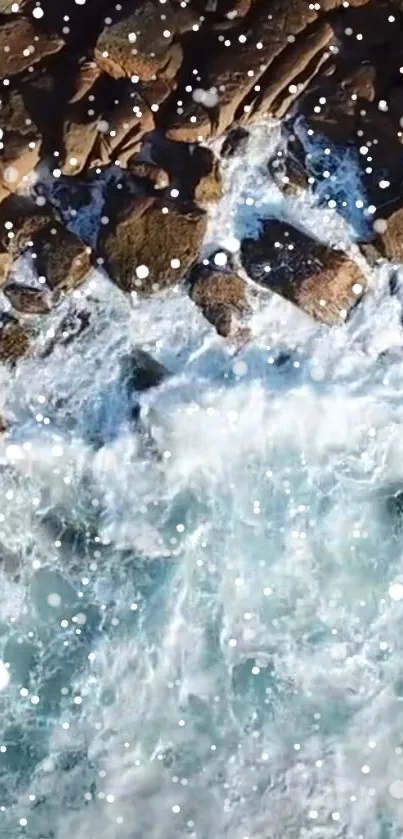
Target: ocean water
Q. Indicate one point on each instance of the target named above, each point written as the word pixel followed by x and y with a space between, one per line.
pixel 201 621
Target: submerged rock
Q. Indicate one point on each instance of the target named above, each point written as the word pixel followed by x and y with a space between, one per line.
pixel 140 371
pixel 14 339
pixel 323 282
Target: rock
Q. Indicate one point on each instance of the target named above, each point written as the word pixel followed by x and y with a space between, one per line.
pixel 27 299
pixel 151 244
pixel 88 72
pixel 78 140
pixel 283 83
pixel 389 242
pixel 233 70
pixel 123 127
pixel 209 185
pixel 155 175
pixel 57 254
pixel 7 7
pixel 139 43
pixel 323 282
pixel 221 296
pixel 288 172
pixel 22 46
pixel 5 264
pixel 62 258
pixel 193 170
pixel 140 371
pixel 235 142
pixel 14 339
pixel 21 140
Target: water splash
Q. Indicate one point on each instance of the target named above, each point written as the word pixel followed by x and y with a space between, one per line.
pixel 200 635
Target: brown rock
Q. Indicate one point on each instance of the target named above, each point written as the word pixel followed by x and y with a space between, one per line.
pixel 6 6
pixel 5 264
pixel 14 339
pixel 88 73
pixel 155 175
pixel 78 140
pixel 221 295
pixel 136 44
pixel 27 299
pixel 23 46
pixel 288 170
pixel 141 242
pixel 284 82
pixel 323 282
pixel 123 128
pixel 194 170
pixel 60 256
pixel 233 71
pixel 21 140
pixel 209 187
pixel 390 241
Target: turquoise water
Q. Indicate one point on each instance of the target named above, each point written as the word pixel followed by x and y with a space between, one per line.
pixel 201 626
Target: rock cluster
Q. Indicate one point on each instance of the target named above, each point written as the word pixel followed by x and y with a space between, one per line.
pixel 142 87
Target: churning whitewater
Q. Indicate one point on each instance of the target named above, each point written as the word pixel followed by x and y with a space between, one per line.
pixel 201 618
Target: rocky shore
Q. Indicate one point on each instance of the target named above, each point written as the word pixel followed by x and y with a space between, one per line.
pixel 134 108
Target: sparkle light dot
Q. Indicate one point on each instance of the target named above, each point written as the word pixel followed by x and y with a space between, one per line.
pixel 396 789
pixel 142 272
pixel 396 591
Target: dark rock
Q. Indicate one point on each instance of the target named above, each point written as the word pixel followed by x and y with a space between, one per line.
pixel 136 44
pixel 151 244
pixel 14 339
pixel 140 371
pixel 21 140
pixel 221 296
pixel 235 142
pixel 27 299
pixel 57 254
pixel 22 46
pixel 323 282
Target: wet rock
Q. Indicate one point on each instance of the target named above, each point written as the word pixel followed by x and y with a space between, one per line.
pixel 14 339
pixel 232 71
pixel 62 258
pixel 77 141
pixel 57 254
pixel 88 72
pixel 193 170
pixel 28 300
pixel 323 282
pixel 22 46
pixel 151 244
pixel 7 7
pixel 140 371
pixel 139 43
pixel 156 176
pixel 389 242
pixel 123 127
pixel 235 142
pixel 288 173
pixel 20 137
pixel 221 296
pixel 296 66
